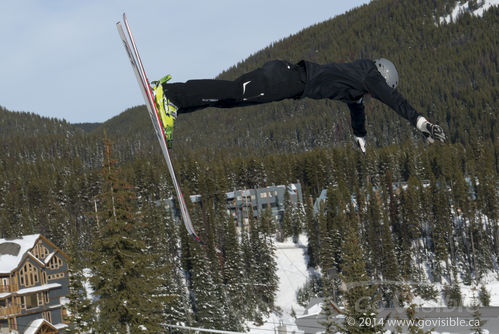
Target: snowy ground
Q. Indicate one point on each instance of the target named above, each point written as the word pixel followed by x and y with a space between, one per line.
pixel 491 283
pixel 293 274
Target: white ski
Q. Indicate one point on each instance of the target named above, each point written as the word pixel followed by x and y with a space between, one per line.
pixel 143 82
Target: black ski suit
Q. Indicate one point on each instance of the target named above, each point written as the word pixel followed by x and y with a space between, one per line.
pixel 279 79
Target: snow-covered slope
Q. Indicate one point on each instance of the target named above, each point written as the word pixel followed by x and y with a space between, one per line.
pixel 465 8
pixel 293 274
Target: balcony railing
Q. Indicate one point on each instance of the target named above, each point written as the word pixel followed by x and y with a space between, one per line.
pixel 10 310
pixel 6 288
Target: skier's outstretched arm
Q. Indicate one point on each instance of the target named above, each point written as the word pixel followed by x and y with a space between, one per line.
pixel 358 119
pixel 380 90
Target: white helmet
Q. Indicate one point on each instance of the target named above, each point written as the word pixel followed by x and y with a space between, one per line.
pixel 388 71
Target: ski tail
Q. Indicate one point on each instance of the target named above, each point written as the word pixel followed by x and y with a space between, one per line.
pixel 146 91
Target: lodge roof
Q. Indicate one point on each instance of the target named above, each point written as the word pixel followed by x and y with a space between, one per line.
pixel 14 251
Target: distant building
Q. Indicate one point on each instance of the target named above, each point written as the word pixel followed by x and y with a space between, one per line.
pixel 33 285
pixel 240 202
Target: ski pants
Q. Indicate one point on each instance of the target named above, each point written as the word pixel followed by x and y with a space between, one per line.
pixel 274 81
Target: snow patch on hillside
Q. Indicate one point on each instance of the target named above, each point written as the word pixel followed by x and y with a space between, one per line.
pixel 460 9
pixel 293 273
pixel 490 281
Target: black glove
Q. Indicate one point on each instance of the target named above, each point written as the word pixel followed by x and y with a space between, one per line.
pixel 431 131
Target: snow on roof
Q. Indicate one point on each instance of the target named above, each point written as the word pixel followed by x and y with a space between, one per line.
pixel 314 310
pixel 8 261
pixel 36 259
pixel 34 326
pixel 195 198
pixel 60 326
pixel 47 260
pixel 53 307
pixel 5 294
pixel 38 288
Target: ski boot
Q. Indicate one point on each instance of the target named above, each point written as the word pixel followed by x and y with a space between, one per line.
pixel 166 109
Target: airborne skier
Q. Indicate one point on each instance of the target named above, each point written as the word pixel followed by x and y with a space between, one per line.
pixel 279 79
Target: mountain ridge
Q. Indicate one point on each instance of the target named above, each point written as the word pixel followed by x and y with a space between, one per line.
pixel 435 63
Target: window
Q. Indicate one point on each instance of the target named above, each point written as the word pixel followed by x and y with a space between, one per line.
pixel 56 276
pixel 46 296
pixel 55 262
pixel 3 302
pixel 28 274
pixel 4 284
pixel 29 301
pixel 47 316
pixel 39 296
pixel 40 251
pixel 263 195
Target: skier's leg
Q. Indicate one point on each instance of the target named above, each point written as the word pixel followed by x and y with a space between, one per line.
pixel 274 81
pixel 197 94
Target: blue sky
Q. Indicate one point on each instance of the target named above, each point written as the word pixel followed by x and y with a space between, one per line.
pixel 64 58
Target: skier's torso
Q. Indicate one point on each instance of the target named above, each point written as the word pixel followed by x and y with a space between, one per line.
pixel 348 82
pixel 344 82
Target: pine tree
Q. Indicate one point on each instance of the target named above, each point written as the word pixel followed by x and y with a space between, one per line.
pixel 326 249
pixel 409 227
pixel 124 283
pixel 389 266
pixel 477 320
pixel 312 230
pixel 374 227
pixel 297 219
pixel 81 310
pixel 287 223
pixel 233 274
pixel 413 321
pixel 161 237
pixel 440 229
pixel 360 296
pixel 452 295
pixel 484 296
pixel 207 302
pixel 335 217
pixel 263 249
pixel 249 269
